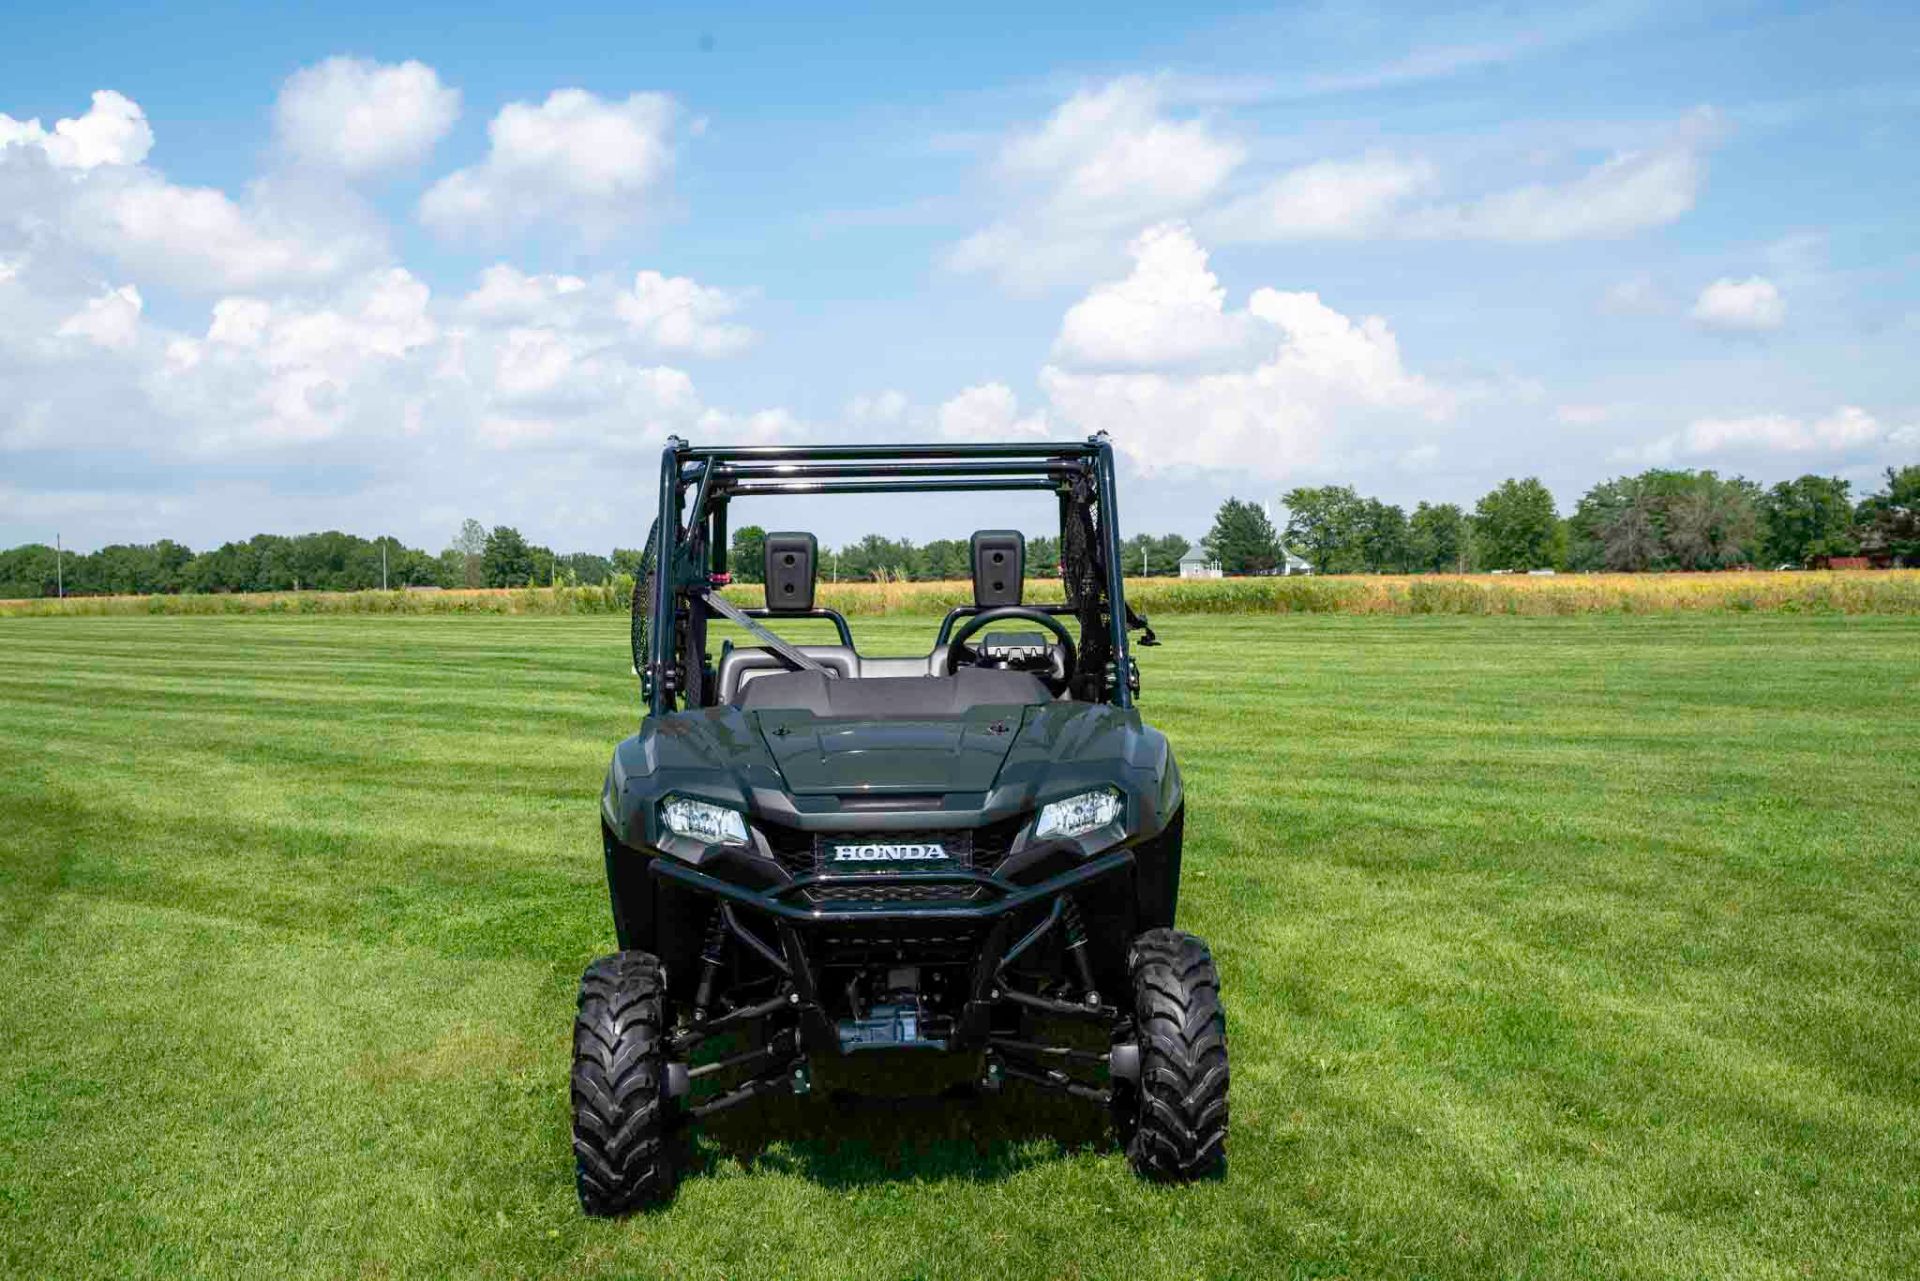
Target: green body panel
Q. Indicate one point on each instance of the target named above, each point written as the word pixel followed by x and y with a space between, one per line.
pixel 789 765
pixel 957 754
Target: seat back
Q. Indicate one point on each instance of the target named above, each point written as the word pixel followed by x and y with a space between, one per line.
pixel 894 698
pixel 790 572
pixel 999 567
pixel 747 662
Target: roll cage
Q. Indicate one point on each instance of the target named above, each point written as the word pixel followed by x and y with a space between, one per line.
pixel 699 483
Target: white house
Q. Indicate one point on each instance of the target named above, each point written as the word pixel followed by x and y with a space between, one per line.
pixel 1196 564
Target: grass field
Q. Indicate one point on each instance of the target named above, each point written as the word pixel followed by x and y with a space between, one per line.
pixel 1553 947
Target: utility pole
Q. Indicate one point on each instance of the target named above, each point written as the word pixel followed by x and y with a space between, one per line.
pixel 383 566
pixel 59 567
pixel 1143 561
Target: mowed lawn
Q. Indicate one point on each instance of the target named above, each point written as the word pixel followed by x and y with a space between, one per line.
pixel 1557 947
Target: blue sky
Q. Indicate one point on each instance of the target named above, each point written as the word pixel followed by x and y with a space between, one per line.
pixel 380 269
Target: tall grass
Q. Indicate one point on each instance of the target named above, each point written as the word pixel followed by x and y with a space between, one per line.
pixel 1882 592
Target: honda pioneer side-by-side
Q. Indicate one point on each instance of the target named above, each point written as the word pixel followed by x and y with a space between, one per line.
pixel 814 851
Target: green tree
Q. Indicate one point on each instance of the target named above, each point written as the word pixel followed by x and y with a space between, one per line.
pixel 28 571
pixel 1808 517
pixel 1159 556
pixel 1437 539
pixel 471 544
pixel 946 558
pixel 1242 539
pixel 588 568
pixel 1515 526
pixel 1381 537
pixel 746 555
pixel 450 568
pixel 506 560
pixel 1043 556
pixel 1666 519
pixel 548 569
pixel 876 557
pixel 1890 519
pixel 1712 523
pixel 626 560
pixel 1323 525
pixel 1617 525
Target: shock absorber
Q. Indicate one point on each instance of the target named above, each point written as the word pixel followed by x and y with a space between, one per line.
pixel 712 955
pixel 1075 928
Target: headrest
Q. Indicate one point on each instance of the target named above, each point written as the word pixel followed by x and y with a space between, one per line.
pixel 790 560
pixel 999 567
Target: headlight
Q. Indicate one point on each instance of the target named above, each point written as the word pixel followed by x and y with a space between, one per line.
pixel 1078 815
pixel 699 821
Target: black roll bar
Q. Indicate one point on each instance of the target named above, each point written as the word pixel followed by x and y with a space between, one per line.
pixel 840 453
pixel 908 485
pixel 720 473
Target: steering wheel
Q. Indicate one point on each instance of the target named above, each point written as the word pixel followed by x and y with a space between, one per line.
pixel 959 652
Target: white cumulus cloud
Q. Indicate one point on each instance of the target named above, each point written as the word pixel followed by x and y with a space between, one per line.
pixel 576 161
pixel 1312 382
pixel 679 314
pixel 80 195
pixel 373 374
pixel 361 117
pixel 1107 161
pixel 1116 157
pixel 114 131
pixel 199 238
pixel 272 373
pixel 266 345
pixel 1844 428
pixel 1848 429
pixel 1169 311
pixel 879 409
pixel 988 412
pixel 1751 306
pixel 110 320
pixel 667 314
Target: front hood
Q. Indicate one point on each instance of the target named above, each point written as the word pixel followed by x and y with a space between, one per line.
pixel 790 767
pixel 948 754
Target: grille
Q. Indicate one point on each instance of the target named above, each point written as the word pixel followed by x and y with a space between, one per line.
pixel 793 847
pixel 981 848
pixel 991 843
pixel 881 893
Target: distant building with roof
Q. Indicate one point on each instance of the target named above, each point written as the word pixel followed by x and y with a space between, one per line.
pixel 1197 564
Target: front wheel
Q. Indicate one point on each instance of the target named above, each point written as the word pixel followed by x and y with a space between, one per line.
pixel 623 1112
pixel 1173 1116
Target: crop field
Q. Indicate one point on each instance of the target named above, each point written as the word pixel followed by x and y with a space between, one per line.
pixel 1875 592
pixel 1552 947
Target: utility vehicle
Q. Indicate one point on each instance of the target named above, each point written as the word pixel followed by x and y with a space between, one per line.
pixel 813 851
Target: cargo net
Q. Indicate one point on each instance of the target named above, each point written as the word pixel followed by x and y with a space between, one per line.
pixel 1083 570
pixel 643 606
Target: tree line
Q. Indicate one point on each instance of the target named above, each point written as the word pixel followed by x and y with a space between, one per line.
pixel 1657 520
pixel 1661 519
pixel 943 559
pixel 328 561
pixel 477 557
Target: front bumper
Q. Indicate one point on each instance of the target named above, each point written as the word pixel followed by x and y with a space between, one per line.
pixel 978 897
pixel 969 919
